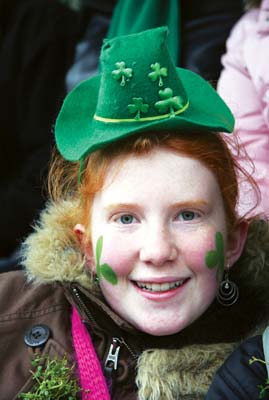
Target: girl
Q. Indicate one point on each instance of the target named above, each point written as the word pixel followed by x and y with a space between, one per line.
pixel 129 268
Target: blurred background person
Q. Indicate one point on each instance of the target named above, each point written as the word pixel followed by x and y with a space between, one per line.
pixel 37 45
pixel 244 85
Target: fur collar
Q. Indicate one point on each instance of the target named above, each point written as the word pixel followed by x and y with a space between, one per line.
pixel 52 254
pixel 164 374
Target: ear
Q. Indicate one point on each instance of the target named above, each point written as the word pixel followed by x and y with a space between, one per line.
pixel 80 232
pixel 237 243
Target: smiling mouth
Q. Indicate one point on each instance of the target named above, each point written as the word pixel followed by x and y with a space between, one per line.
pixel 160 287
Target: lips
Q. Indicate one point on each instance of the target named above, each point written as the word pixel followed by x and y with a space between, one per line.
pixel 160 287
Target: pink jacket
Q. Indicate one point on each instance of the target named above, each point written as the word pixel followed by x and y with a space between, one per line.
pixel 244 85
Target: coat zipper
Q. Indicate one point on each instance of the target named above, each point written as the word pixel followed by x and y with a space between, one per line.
pixel 81 305
pixel 111 362
pixel 133 354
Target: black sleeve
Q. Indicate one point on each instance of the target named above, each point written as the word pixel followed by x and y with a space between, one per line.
pixel 237 379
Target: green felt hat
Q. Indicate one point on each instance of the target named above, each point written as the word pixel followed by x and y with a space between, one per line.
pixel 139 89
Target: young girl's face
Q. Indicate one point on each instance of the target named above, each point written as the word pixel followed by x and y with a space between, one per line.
pixel 158 217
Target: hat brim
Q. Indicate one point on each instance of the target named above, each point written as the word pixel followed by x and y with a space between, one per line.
pixel 77 133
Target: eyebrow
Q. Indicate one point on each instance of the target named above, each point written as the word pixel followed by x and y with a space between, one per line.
pixel 191 204
pixel 122 205
pixel 182 204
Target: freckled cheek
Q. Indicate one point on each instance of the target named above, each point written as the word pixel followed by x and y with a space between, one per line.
pixel 119 257
pixel 197 250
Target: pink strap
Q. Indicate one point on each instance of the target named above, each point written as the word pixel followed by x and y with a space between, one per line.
pixel 90 372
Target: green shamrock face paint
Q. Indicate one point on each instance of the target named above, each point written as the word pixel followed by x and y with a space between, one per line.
pixel 215 258
pixel 104 269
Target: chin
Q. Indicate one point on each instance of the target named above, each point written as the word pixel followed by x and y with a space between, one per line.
pixel 161 330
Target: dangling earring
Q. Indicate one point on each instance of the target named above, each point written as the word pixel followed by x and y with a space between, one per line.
pixel 228 291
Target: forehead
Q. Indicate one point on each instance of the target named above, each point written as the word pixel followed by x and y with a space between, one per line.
pixel 161 171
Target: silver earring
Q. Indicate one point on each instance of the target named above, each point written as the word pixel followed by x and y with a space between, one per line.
pixel 228 291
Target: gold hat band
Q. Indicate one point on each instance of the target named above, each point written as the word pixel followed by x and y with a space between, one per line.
pixel 157 117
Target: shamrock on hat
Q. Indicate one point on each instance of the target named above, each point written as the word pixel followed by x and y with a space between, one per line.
pixel 139 89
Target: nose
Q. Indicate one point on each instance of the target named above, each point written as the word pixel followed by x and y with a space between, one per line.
pixel 158 246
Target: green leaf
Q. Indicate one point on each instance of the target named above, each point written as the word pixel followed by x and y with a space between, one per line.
pixel 211 259
pixel 138 106
pixel 167 93
pixel 220 250
pixel 132 108
pixel 99 247
pixel 109 274
pixel 57 381
pixel 144 108
pixel 168 102
pixel 104 270
pixel 98 272
pixel 216 258
pixel 158 73
pixel 122 72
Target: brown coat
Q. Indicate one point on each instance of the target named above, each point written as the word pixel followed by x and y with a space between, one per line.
pixel 177 367
pixel 21 307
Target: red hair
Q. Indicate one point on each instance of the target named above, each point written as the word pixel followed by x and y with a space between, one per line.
pixel 207 147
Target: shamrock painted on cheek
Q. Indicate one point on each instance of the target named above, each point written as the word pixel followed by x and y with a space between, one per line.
pixel 104 269
pixel 215 258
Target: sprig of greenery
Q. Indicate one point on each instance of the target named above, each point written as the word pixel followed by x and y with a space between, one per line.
pixel 264 389
pixel 254 359
pixel 54 380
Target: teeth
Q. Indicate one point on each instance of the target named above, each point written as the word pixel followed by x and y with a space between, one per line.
pixel 160 287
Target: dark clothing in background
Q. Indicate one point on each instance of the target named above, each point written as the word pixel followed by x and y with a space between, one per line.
pixel 205 28
pixel 199 30
pixel 103 6
pixel 87 51
pixel 37 45
pixel 96 17
pixel 237 379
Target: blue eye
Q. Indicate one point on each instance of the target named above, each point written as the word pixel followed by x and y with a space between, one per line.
pixel 126 219
pixel 187 215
